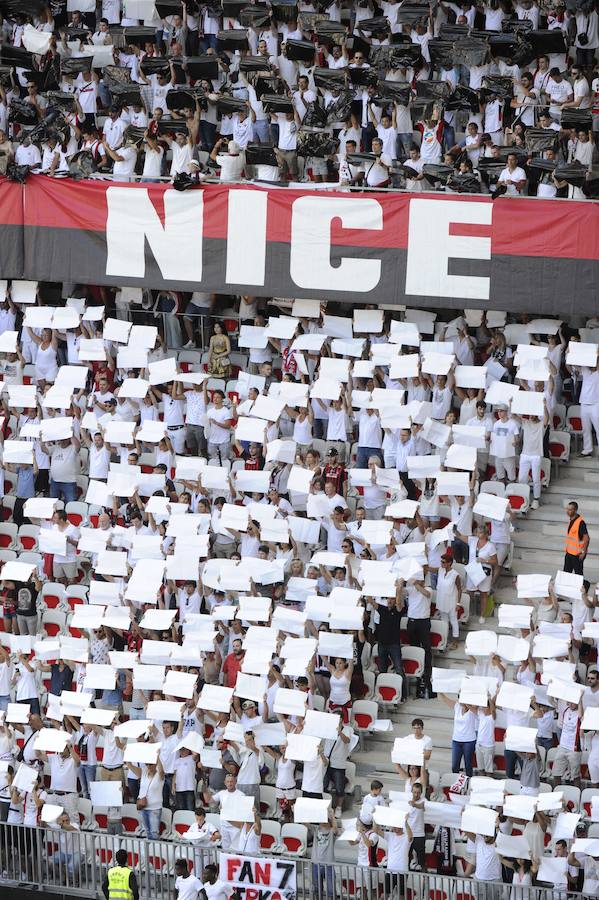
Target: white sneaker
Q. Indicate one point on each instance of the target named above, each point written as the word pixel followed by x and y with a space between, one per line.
pixel 534 504
pixel 189 346
pixel 338 812
pixel 481 620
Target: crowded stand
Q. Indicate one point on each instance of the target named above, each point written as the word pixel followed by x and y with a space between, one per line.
pixel 494 97
pixel 257 568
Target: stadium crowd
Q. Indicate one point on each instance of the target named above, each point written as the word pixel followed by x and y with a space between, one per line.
pixel 494 97
pixel 224 568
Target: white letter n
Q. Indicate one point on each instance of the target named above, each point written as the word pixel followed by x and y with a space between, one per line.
pixel 177 247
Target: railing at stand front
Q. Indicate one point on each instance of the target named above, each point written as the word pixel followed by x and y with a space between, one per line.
pixel 76 862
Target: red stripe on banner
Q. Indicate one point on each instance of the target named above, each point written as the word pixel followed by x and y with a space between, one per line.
pixel 11 202
pixel 553 229
pixel 561 229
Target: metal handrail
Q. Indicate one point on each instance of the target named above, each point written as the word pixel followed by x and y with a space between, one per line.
pixel 59 861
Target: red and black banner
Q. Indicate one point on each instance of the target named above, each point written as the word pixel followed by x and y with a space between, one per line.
pixel 520 254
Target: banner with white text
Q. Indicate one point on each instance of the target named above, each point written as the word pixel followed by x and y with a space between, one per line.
pixel 519 254
pixel 258 878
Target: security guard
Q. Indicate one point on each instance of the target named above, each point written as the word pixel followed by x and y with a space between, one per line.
pixel 120 882
pixel 577 541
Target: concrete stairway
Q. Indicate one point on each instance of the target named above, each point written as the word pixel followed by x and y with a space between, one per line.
pixel 538 548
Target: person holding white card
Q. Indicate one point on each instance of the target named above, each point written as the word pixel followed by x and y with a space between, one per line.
pixel 149 801
pixel 533 430
pixel 503 444
pixel 448 596
pixel 399 841
pixel 229 795
pixel 64 771
pixel 566 765
pixel 220 428
pixel 463 740
pixel 482 551
pixel 589 407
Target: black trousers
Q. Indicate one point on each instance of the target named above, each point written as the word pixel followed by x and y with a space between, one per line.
pixel 418 849
pixel 573 564
pixel 419 635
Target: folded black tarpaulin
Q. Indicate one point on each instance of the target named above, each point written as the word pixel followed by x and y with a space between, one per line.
pixel 538 139
pixel 329 78
pixel 82 164
pixel 489 165
pixel 464 183
pixel 135 133
pixel 441 53
pixel 376 24
pixel 315 117
pixel 172 126
pixel 543 42
pixel 301 51
pixel 516 26
pixel 358 159
pixel 254 16
pixel 74 65
pixel 22 112
pixel 166 8
pixel 261 155
pixel 501 86
pixel 284 11
pixel 573 173
pixel 184 99
pixel 270 84
pixel 463 97
pixel 503 45
pixel 277 103
pixel 406 170
pixel 139 36
pixel 254 64
pixel 324 27
pixel 11 8
pixel 434 172
pixel 316 142
pixel 433 90
pixel 422 109
pixel 452 31
pixel 393 92
pixel 77 33
pixel 410 13
pixel 573 117
pixel 359 75
pixel 16 56
pixel 400 55
pixel 471 51
pixel 61 100
pixel 542 165
pixel 340 109
pixel 151 65
pixel 228 105
pixel 205 66
pixel 232 39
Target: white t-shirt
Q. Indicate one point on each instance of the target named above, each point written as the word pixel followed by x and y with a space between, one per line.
pixel 517 175
pixel 287 133
pixel 63 774
pixel 152 162
pixel 231 167
pixel 188 888
pixel 313 778
pixel 464 725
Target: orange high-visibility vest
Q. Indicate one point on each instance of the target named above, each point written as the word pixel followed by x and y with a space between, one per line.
pixel 574 545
